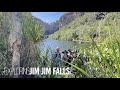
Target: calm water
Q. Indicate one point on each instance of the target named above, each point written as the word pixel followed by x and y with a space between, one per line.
pixel 63 45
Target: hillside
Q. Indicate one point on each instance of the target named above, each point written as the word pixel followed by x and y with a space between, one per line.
pixel 45 25
pixel 64 20
pixel 90 24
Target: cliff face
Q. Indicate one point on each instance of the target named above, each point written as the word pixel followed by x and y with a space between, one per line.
pixel 68 17
pixel 82 27
pixel 55 26
pixel 65 19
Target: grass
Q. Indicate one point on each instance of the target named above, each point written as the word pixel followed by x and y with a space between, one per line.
pixel 104 56
pixel 104 66
pixel 104 60
pixel 80 69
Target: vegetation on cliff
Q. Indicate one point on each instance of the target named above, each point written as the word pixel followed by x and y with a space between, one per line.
pixel 86 25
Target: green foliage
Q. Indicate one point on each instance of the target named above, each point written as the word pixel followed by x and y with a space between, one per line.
pixel 100 60
pixel 32 35
pixel 104 56
pixel 5 54
pixel 87 24
pixel 104 60
pixel 74 36
pixel 31 28
pixel 81 70
pixel 79 26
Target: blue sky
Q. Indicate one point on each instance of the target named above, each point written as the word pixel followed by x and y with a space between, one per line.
pixel 48 17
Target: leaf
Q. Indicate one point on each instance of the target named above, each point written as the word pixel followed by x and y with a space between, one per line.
pixel 79 69
pixel 104 59
pixel 96 63
pixel 117 59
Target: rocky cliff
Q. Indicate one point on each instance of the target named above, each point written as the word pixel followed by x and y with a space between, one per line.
pixel 65 19
pixel 55 26
pixel 68 17
pixel 81 27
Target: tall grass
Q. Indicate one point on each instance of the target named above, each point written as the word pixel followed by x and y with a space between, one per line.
pixel 104 55
pixel 105 59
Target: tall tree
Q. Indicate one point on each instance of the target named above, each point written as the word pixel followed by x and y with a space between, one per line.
pixel 15 39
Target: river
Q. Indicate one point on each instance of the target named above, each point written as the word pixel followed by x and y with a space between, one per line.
pixel 51 45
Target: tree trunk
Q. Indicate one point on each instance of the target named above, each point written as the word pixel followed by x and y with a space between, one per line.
pixel 15 40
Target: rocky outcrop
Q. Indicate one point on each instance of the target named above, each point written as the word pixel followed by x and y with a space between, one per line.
pixel 65 19
pixel 68 17
pixel 55 26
